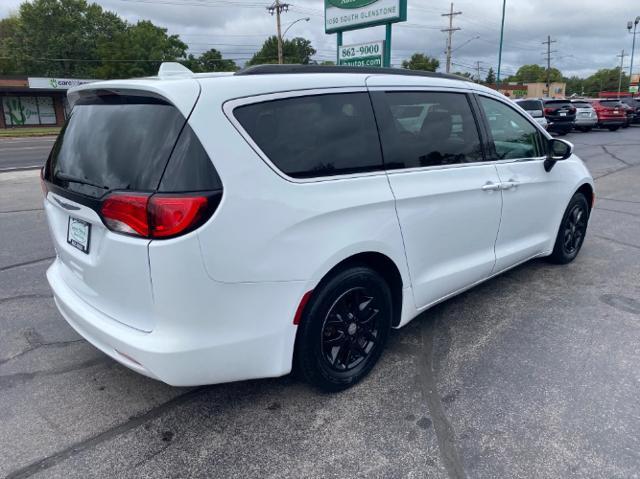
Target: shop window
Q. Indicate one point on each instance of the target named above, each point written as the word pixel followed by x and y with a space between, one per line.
pixel 28 110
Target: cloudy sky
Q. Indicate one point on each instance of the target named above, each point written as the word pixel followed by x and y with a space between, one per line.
pixel 589 33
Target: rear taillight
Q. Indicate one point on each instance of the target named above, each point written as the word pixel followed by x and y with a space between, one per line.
pixel 126 213
pixel 572 111
pixel 156 215
pixel 172 215
pixel 548 111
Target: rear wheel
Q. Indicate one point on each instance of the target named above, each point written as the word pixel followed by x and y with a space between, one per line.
pixel 344 329
pixel 572 230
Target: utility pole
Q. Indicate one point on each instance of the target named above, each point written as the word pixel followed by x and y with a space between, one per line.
pixel 478 71
pixel 633 47
pixel 548 55
pixel 504 6
pixel 450 30
pixel 277 8
pixel 622 55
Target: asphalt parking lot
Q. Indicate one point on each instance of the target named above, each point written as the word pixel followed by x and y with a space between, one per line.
pixel 535 373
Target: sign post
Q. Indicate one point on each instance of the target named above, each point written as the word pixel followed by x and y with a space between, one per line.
pixel 345 15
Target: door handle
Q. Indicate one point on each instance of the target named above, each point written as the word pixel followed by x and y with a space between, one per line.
pixel 507 185
pixel 490 186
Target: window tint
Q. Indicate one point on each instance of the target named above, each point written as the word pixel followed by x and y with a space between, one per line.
pixel 313 136
pixel 530 105
pixel 581 104
pixel 513 135
pixel 426 129
pixel 557 103
pixel 189 168
pixel 114 142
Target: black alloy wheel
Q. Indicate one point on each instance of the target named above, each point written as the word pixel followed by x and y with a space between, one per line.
pixel 344 328
pixel 572 230
pixel 350 330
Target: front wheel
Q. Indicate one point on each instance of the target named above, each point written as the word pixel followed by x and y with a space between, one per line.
pixel 344 329
pixel 572 230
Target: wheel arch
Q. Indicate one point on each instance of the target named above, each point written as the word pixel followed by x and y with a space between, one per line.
pixel 587 190
pixel 384 266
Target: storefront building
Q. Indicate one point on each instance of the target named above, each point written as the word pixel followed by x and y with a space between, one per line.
pixel 35 101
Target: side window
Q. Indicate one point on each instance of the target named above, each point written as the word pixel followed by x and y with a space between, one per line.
pixel 312 136
pixel 420 129
pixel 513 135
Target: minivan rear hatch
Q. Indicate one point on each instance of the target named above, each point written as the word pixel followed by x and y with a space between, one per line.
pixel 116 140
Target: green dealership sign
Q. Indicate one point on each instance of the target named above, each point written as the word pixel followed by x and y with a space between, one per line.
pixel 342 15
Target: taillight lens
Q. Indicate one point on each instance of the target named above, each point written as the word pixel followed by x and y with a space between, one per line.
pixel 173 215
pixel 572 111
pixel 127 213
pixel 548 111
pixel 156 215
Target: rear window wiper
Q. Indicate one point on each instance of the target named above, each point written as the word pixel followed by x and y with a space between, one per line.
pixel 75 179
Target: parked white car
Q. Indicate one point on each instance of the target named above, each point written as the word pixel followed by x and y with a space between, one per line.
pixel 535 108
pixel 217 228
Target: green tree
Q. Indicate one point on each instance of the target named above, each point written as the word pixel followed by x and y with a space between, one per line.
pixel 297 50
pixel 420 61
pixel 8 30
pixel 138 51
pixel 575 85
pixel 210 61
pixel 605 80
pixel 491 77
pixel 535 73
pixel 54 36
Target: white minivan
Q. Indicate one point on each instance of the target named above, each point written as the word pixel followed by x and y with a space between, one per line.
pixel 213 228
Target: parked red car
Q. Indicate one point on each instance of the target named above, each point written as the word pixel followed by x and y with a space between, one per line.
pixel 610 113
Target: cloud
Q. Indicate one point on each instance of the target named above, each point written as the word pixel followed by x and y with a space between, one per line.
pixel 588 33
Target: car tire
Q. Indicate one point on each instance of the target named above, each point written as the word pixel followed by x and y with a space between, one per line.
pixel 562 132
pixel 613 128
pixel 344 329
pixel 572 231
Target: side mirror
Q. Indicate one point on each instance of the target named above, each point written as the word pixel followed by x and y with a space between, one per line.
pixel 558 150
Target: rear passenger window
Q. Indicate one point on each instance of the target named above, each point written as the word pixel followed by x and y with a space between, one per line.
pixel 513 135
pixel 421 129
pixel 314 136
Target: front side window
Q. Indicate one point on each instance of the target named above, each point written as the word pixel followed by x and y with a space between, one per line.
pixel 513 135
pixel 314 136
pixel 420 129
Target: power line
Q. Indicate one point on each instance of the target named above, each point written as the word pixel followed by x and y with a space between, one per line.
pixel 450 31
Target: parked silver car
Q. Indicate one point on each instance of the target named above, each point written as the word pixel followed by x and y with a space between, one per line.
pixel 586 116
pixel 535 108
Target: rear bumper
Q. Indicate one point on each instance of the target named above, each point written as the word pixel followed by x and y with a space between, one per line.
pixel 611 121
pixel 247 333
pixel 586 121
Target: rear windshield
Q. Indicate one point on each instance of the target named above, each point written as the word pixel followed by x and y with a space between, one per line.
pixel 530 105
pixel 557 103
pixel 581 104
pixel 610 103
pixel 114 142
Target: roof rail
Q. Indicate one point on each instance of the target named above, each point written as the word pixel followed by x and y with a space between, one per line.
pixel 274 69
pixel 174 70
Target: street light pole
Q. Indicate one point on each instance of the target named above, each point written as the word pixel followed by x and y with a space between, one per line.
pixel 633 47
pixel 306 19
pixel 504 6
